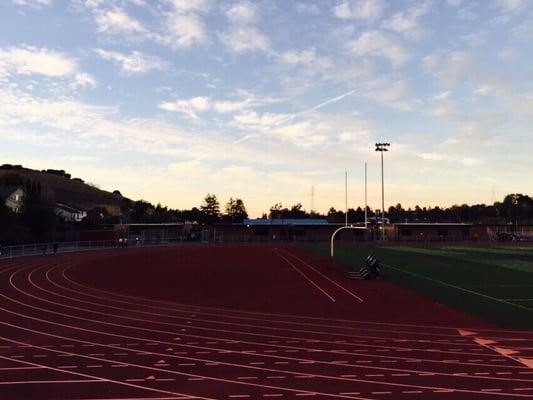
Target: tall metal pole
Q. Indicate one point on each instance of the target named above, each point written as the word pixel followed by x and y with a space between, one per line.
pixel 366 199
pixel 382 200
pixel 346 198
pixel 381 147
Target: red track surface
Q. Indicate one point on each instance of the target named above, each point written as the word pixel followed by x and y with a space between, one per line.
pixel 238 322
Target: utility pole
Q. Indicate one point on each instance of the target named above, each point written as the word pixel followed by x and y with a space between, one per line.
pixel 382 147
pixel 366 199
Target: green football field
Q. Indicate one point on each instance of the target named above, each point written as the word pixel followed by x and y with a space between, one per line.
pixel 493 283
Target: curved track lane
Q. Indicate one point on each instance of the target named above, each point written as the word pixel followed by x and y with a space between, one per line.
pixel 60 338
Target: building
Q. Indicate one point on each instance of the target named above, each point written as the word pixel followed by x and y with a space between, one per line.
pixel 430 232
pixel 285 230
pixel 68 213
pixel 12 197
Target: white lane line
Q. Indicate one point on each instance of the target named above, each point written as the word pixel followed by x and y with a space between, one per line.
pixel 101 304
pixel 71 339
pixel 306 277
pixel 92 377
pixel 326 277
pixel 53 381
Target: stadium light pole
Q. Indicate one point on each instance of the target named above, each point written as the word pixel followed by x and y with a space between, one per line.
pixel 382 147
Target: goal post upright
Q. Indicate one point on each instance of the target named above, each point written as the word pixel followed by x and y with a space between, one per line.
pixel 351 227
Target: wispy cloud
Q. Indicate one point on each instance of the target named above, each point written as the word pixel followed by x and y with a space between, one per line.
pixel 359 9
pixel 134 62
pixel 33 3
pixel 242 34
pixel 378 43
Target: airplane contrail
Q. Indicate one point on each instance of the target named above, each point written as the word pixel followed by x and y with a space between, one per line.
pixel 317 107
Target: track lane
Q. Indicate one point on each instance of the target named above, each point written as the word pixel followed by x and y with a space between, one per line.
pixel 236 343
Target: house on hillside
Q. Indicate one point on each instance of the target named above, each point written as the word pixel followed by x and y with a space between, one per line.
pixel 68 213
pixel 12 197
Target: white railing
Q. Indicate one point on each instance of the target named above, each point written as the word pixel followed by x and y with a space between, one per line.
pixel 35 249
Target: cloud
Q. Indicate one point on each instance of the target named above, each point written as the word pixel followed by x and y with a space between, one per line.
pixel 254 119
pixel 407 22
pixel 238 172
pixel 33 3
pixel 185 6
pixel 450 67
pixel 242 35
pixel 133 63
pixel 245 38
pixel 191 107
pixel 511 6
pixel 359 9
pixel 29 60
pixel 243 12
pixel 307 58
pixel 378 43
pixel 184 30
pixel 187 169
pixel 83 81
pixel 117 21
pixel 188 107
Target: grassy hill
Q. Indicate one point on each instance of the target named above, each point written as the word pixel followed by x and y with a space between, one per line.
pixel 62 188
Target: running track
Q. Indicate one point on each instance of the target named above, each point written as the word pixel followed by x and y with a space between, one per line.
pixel 62 338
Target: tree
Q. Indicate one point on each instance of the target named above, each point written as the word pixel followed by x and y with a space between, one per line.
pixel 275 211
pixel 39 215
pixel 210 209
pixel 141 211
pixel 235 210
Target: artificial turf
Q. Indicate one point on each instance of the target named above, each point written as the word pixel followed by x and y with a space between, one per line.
pixel 494 283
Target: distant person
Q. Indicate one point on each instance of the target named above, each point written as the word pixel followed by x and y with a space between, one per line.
pixel 56 248
pixel 44 248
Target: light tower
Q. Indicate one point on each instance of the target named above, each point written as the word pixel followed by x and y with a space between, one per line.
pixel 382 147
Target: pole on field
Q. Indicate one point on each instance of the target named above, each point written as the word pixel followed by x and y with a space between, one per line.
pixel 332 247
pixel 382 147
pixel 346 198
pixel 366 199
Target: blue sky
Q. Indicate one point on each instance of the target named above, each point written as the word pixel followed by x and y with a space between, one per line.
pixel 169 100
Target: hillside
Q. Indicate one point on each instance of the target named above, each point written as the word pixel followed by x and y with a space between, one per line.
pixel 62 188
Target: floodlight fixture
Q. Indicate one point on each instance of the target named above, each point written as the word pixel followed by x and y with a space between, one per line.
pixel 382 147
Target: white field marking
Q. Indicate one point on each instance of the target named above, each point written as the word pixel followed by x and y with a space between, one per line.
pixel 256 319
pixel 499 286
pixel 307 278
pixel 233 332
pixel 18 368
pixel 230 381
pixel 55 382
pixel 517 299
pixel 326 277
pixel 97 377
pixel 458 288
pixel 239 396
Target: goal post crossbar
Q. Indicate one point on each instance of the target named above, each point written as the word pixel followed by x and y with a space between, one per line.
pixel 332 247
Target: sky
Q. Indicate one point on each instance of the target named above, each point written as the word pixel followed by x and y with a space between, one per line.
pixel 269 101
